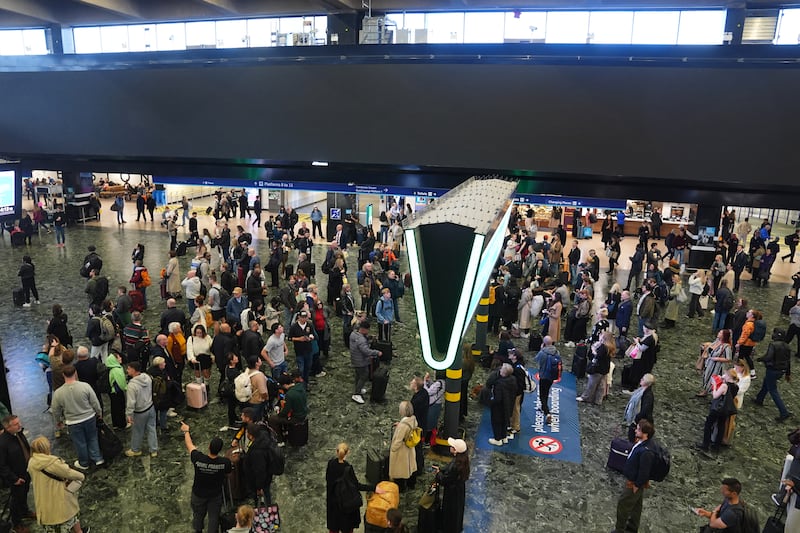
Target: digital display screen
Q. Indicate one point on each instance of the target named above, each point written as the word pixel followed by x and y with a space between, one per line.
pixel 8 192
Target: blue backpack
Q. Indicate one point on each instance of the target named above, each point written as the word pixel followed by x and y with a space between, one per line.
pixel 759 331
pixel 551 368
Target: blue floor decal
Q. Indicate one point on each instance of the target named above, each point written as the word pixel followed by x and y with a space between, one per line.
pixel 561 440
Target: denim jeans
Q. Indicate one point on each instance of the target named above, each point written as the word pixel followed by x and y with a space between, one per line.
pixel 770 386
pixel 279 369
pixel 191 305
pixel 679 256
pixel 719 321
pixel 60 239
pixel 144 422
pixel 84 438
pixel 304 366
pixel 573 274
pixel 162 419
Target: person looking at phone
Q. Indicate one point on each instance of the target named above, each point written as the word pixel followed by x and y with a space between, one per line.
pixel 301 333
pixel 729 515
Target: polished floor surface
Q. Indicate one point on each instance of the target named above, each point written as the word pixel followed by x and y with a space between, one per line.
pixel 506 492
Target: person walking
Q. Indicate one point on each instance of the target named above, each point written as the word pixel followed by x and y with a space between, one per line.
pixel 637 479
pixel 140 411
pixel 59 223
pixel 27 274
pixel 361 356
pixel 778 362
pixel 56 505
pixel 76 403
pixel 549 362
pixel 792 241
pixel 14 456
pixel 209 476
pixel 316 222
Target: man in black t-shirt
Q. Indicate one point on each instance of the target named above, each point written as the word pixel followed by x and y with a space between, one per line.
pixel 729 515
pixel 302 334
pixel 209 475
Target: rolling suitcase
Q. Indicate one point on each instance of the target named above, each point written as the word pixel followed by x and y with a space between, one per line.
pixel 19 297
pixel 788 303
pixel 380 379
pixel 236 482
pixel 313 270
pixel 426 518
pixel 618 454
pixel 18 239
pixel 579 361
pixel 297 434
pixel 209 209
pixel 386 349
pixel 196 395
pixel 377 466
pixel 137 300
pixel 534 342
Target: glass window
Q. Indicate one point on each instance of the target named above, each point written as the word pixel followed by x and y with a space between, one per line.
pixel 525 26
pixel 788 27
pixel 87 40
pixel 610 27
pixel 701 27
pixel 11 43
pixel 35 42
pixel 567 26
pixel 201 34
pixel 114 38
pixel 407 21
pixel 291 25
pixel 259 31
pixel 171 36
pixel 484 27
pixel 142 38
pixel 231 33
pixel 445 27
pixel 655 27
pixel 321 30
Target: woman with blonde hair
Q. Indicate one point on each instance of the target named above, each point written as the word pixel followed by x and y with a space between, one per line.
pixel 743 373
pixel 524 310
pixel 54 490
pixel 697 284
pixel 714 359
pixel 402 458
pixel 342 520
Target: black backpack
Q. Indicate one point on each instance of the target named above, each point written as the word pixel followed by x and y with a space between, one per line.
pixel 348 497
pixel 661 461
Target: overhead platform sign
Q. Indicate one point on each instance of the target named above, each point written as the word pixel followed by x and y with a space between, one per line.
pixel 291 185
pixel 570 201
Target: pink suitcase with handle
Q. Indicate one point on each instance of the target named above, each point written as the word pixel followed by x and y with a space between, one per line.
pixel 196 395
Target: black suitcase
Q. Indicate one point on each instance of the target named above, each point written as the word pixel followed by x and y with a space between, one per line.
pixel 788 303
pixel 297 434
pixel 618 454
pixel 628 381
pixel 380 379
pixel 564 277
pixel 386 349
pixel 209 209
pixel 180 250
pixel 289 271
pixel 313 270
pixel 579 361
pixel 377 466
pixel 18 239
pixel 534 342
pixel 110 445
pixel 19 296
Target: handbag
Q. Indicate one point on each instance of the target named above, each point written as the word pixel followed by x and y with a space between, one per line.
pixel 682 296
pixel 73 485
pixel 430 496
pixel 704 302
pixel 267 518
pixel 633 351
pixel 724 406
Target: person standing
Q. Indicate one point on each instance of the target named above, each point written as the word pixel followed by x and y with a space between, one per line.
pixel 794 327
pixel 778 361
pixel 637 479
pixel 453 479
pixel 739 264
pixel 76 404
pixel 27 274
pixel 316 222
pixel 119 207
pixel 549 362
pixel 14 456
pixel 729 515
pixel 295 408
pixel 60 222
pixel 503 387
pixel 402 459
pixel 340 520
pixel 745 344
pixel 301 333
pixel 361 356
pixel 724 390
pixel 724 303
pixel 384 314
pixel 140 411
pixel 275 351
pixel 118 385
pixel 140 206
pixel 56 507
pixel 209 476
pixel 150 202
pixel 256 465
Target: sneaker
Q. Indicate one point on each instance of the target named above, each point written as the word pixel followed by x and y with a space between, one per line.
pixel 579 399
pixel 510 436
pixel 153 454
pixel 131 453
pixel 505 440
pixel 781 418
pixel 357 398
pixel 321 374
pixel 752 374
pixel 128 425
pixel 79 466
pixel 171 412
pixel 37 302
pixel 26 304
pixel 525 335
pixel 281 444
pixel 363 391
pixel 569 344
pixel 494 442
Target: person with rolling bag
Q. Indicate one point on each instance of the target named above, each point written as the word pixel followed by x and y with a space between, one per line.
pixel 361 358
pixel 451 482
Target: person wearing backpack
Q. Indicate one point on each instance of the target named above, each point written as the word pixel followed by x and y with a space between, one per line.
pixel 160 397
pixel 100 331
pixel 749 338
pixel 637 479
pixel 778 361
pixel 730 514
pixel 341 482
pixel 257 467
pixel 549 362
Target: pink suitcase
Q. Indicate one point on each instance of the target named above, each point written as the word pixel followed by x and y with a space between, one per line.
pixel 196 395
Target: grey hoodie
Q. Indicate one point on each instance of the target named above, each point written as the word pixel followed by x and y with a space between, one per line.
pixel 139 394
